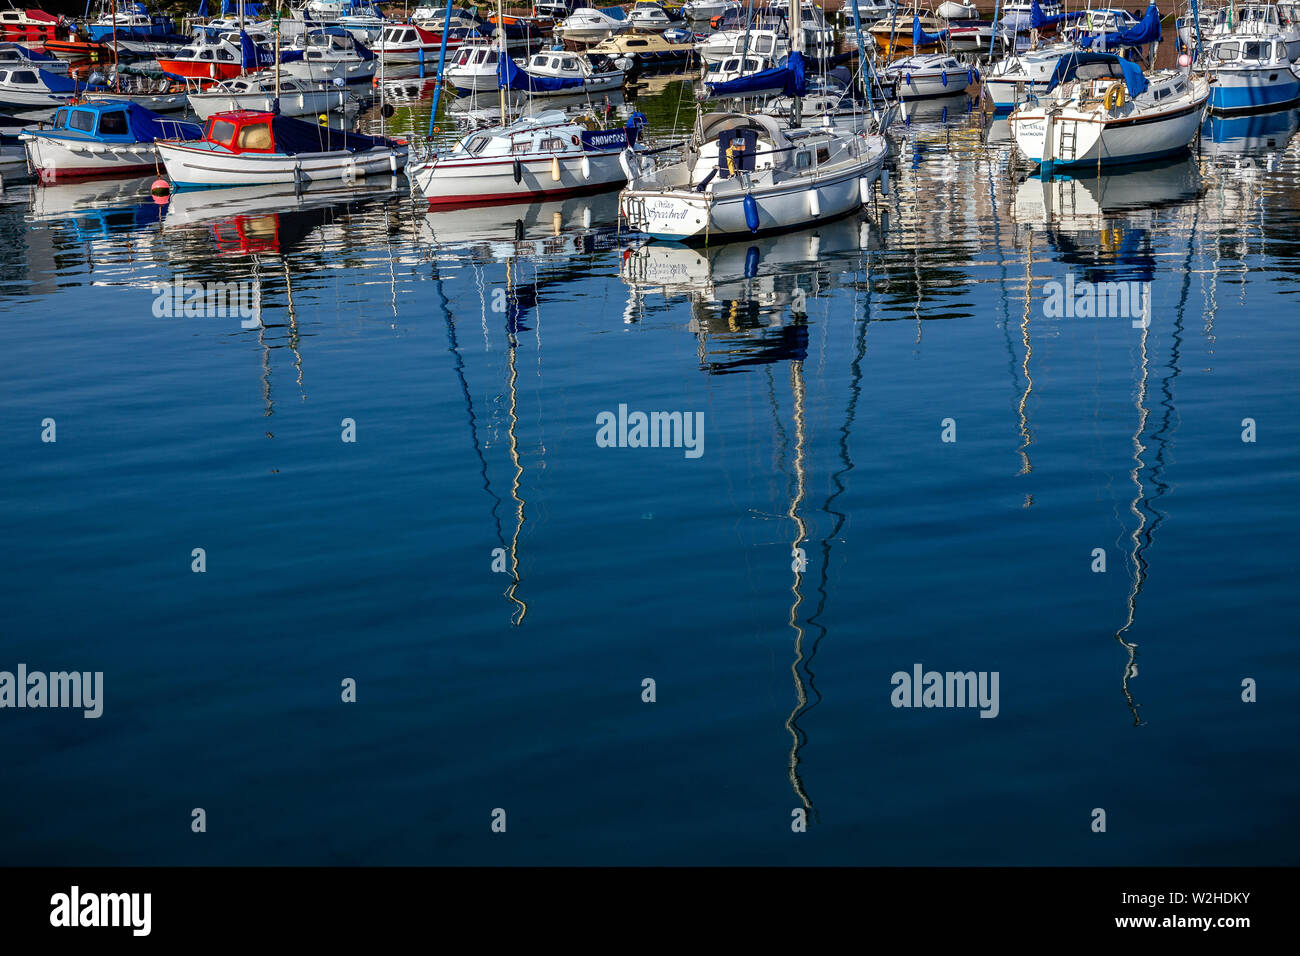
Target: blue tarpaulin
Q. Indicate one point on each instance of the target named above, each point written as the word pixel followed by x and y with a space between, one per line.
pixel 510 77
pixel 920 38
pixel 1146 31
pixel 58 83
pixel 254 58
pixel 229 8
pixel 293 136
pixel 788 79
pixel 32 54
pixel 1038 19
pixel 1069 64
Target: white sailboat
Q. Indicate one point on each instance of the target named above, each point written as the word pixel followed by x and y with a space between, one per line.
pixel 546 154
pixel 1102 110
pixel 743 175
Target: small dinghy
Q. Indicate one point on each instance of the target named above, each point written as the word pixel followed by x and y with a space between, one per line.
pixel 101 138
pixel 248 148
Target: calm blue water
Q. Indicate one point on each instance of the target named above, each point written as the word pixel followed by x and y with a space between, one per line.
pixel 474 350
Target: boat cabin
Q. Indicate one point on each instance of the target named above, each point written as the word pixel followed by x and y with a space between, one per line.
pixel 241 131
pixel 1241 50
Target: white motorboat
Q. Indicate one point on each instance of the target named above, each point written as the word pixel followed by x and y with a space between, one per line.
pixel 543 155
pixel 431 14
pixel 1014 78
pixel 1259 19
pixel 646 15
pixel 1017 15
pixel 246 148
pixel 927 75
pixel 101 138
pixel 407 43
pixel 256 91
pixel 765 43
pixel 587 26
pixel 743 175
pixel 33 90
pixel 14 56
pixel 864 12
pixel 737 65
pixel 474 67
pixel 326 55
pixel 566 66
pixel 1102 110
pixel 1250 73
pixel 708 9
pixel 956 11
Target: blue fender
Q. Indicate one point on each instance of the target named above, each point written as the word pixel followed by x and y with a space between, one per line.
pixel 751 212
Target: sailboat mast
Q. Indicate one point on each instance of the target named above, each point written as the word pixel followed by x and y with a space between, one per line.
pixel 501 44
pixel 796 46
pixel 117 80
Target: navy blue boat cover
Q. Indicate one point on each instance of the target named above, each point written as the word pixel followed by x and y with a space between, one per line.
pixel 58 83
pixel 510 77
pixel 1038 19
pixel 920 38
pixel 789 79
pixel 1069 64
pixel 1147 30
pixel 145 125
pixel 295 136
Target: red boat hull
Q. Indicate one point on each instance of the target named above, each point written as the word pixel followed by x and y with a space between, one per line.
pixel 201 70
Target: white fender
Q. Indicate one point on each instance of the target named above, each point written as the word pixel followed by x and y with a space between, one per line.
pixel 555 169
pixel 864 190
pixel 586 168
pixel 625 161
pixel 814 203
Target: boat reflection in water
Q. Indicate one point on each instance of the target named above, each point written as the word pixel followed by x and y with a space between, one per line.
pixel 740 291
pixel 558 228
pixel 1245 142
pixel 1085 201
pixel 1103 228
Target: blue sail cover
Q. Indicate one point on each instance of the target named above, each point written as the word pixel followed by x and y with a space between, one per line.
pixel 228 8
pixel 253 57
pixel 789 79
pixel 1146 31
pixel 1069 64
pixel 920 38
pixel 1038 19
pixel 510 77
pixel 58 83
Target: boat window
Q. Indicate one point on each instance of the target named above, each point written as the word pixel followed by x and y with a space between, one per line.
pixel 637 43
pixel 555 63
pixel 570 64
pixel 113 123
pixel 476 144
pixel 1251 51
pixel 22 76
pixel 255 136
pixel 552 144
pixel 205 55
pixel 61 118
pixel 83 120
pixel 823 154
pixel 410 35
pixel 1228 51
pixel 492 56
pixel 802 159
pixel 221 132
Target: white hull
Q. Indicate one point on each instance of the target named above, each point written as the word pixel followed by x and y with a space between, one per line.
pixel 921 86
pixel 199 167
pixel 327 71
pixel 67 159
pixel 470 181
pixel 1066 137
pixel 685 215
